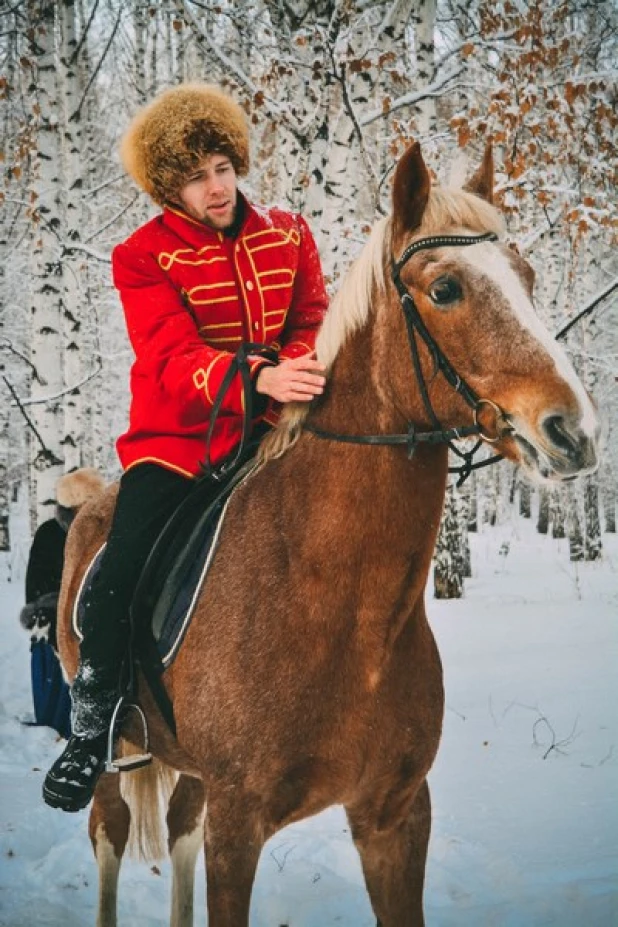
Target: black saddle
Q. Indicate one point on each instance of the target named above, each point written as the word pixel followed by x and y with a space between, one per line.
pixel 169 584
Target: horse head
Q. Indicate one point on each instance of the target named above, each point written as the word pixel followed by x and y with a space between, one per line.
pixel 473 295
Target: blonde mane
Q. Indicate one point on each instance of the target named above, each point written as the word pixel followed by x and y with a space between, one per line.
pixel 447 210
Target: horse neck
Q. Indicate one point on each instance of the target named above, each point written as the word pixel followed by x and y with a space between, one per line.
pixel 388 506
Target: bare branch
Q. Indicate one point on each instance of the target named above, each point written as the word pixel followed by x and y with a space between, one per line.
pixel 203 38
pixel 78 246
pixel 45 457
pixel 93 76
pixel 79 45
pixel 6 344
pixel 590 307
pixel 64 392
pixel 111 222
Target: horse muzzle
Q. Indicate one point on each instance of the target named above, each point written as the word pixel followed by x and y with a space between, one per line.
pixel 559 451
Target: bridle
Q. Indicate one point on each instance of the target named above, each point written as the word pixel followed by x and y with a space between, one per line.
pixel 416 328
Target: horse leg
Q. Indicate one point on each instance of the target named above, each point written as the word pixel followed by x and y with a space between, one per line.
pixel 185 823
pixel 234 838
pixel 109 831
pixel 393 859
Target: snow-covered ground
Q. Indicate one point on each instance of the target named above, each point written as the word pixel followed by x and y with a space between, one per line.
pixel 525 788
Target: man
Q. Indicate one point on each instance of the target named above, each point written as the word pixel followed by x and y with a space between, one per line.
pixel 50 693
pixel 209 273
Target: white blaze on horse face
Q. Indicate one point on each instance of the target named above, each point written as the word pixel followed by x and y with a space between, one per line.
pixel 487 259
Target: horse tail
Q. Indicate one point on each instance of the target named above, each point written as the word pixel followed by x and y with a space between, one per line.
pixel 147 792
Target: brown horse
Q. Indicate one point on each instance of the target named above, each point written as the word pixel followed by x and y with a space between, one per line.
pixel 310 675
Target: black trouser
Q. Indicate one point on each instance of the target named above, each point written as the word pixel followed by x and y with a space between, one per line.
pixel 148 496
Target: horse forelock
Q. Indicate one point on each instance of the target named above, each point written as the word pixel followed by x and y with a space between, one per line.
pixel 452 209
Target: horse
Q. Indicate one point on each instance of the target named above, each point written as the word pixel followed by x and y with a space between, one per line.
pixel 309 675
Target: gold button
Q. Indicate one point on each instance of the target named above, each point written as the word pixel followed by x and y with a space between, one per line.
pixel 249 284
pixel 237 248
pixel 256 325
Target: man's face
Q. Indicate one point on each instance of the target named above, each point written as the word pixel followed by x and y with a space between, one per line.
pixel 210 192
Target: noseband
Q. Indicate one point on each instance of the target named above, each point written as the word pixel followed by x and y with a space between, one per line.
pixel 416 327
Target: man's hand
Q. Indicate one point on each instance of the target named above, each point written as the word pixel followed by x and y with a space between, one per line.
pixel 298 379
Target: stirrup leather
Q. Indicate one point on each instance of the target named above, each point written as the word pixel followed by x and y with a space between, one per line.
pixel 136 760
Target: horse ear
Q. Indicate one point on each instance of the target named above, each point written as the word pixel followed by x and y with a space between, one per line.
pixel 482 181
pixel 411 188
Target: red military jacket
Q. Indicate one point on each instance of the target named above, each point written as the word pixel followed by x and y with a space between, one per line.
pixel 190 297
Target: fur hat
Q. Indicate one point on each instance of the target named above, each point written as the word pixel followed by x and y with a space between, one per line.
pixel 171 135
pixel 73 489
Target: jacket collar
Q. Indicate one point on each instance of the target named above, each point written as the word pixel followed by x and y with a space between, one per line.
pixel 198 235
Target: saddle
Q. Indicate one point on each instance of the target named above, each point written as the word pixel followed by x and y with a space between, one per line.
pixel 170 582
pixel 172 578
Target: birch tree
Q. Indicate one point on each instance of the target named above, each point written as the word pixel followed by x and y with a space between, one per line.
pixel 46 348
pixel 70 88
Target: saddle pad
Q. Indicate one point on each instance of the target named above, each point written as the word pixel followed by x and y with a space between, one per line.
pixel 184 573
pixel 87 579
pixel 175 606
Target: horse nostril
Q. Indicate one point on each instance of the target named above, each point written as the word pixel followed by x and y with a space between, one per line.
pixel 558 433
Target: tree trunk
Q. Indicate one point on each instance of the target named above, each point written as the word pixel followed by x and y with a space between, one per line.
pixel 46 305
pixel 608 490
pixel 542 525
pixel 448 578
pixel 425 22
pixel 558 528
pixel 140 31
pixel 525 497
pixel 5 543
pixel 492 497
pixel 576 539
pixel 473 504
pixel 462 499
pixel 72 295
pixel 593 547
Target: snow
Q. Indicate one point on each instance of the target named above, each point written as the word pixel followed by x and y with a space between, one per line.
pixel 524 789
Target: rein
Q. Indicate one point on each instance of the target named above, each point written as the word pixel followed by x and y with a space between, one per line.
pixel 416 327
pixel 239 365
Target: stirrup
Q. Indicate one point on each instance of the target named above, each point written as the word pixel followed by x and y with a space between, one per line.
pixel 136 760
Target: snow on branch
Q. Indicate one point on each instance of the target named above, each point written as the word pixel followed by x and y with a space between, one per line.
pixel 113 220
pixel 64 392
pixel 468 44
pixel 45 457
pixel 526 243
pixel 7 346
pixel 411 99
pixel 203 38
pixel 92 252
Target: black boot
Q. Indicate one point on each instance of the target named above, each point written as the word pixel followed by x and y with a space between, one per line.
pixel 71 781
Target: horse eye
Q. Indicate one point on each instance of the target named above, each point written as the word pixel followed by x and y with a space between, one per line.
pixel 444 291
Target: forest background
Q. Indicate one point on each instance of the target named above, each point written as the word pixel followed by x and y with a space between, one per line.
pixel 334 90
